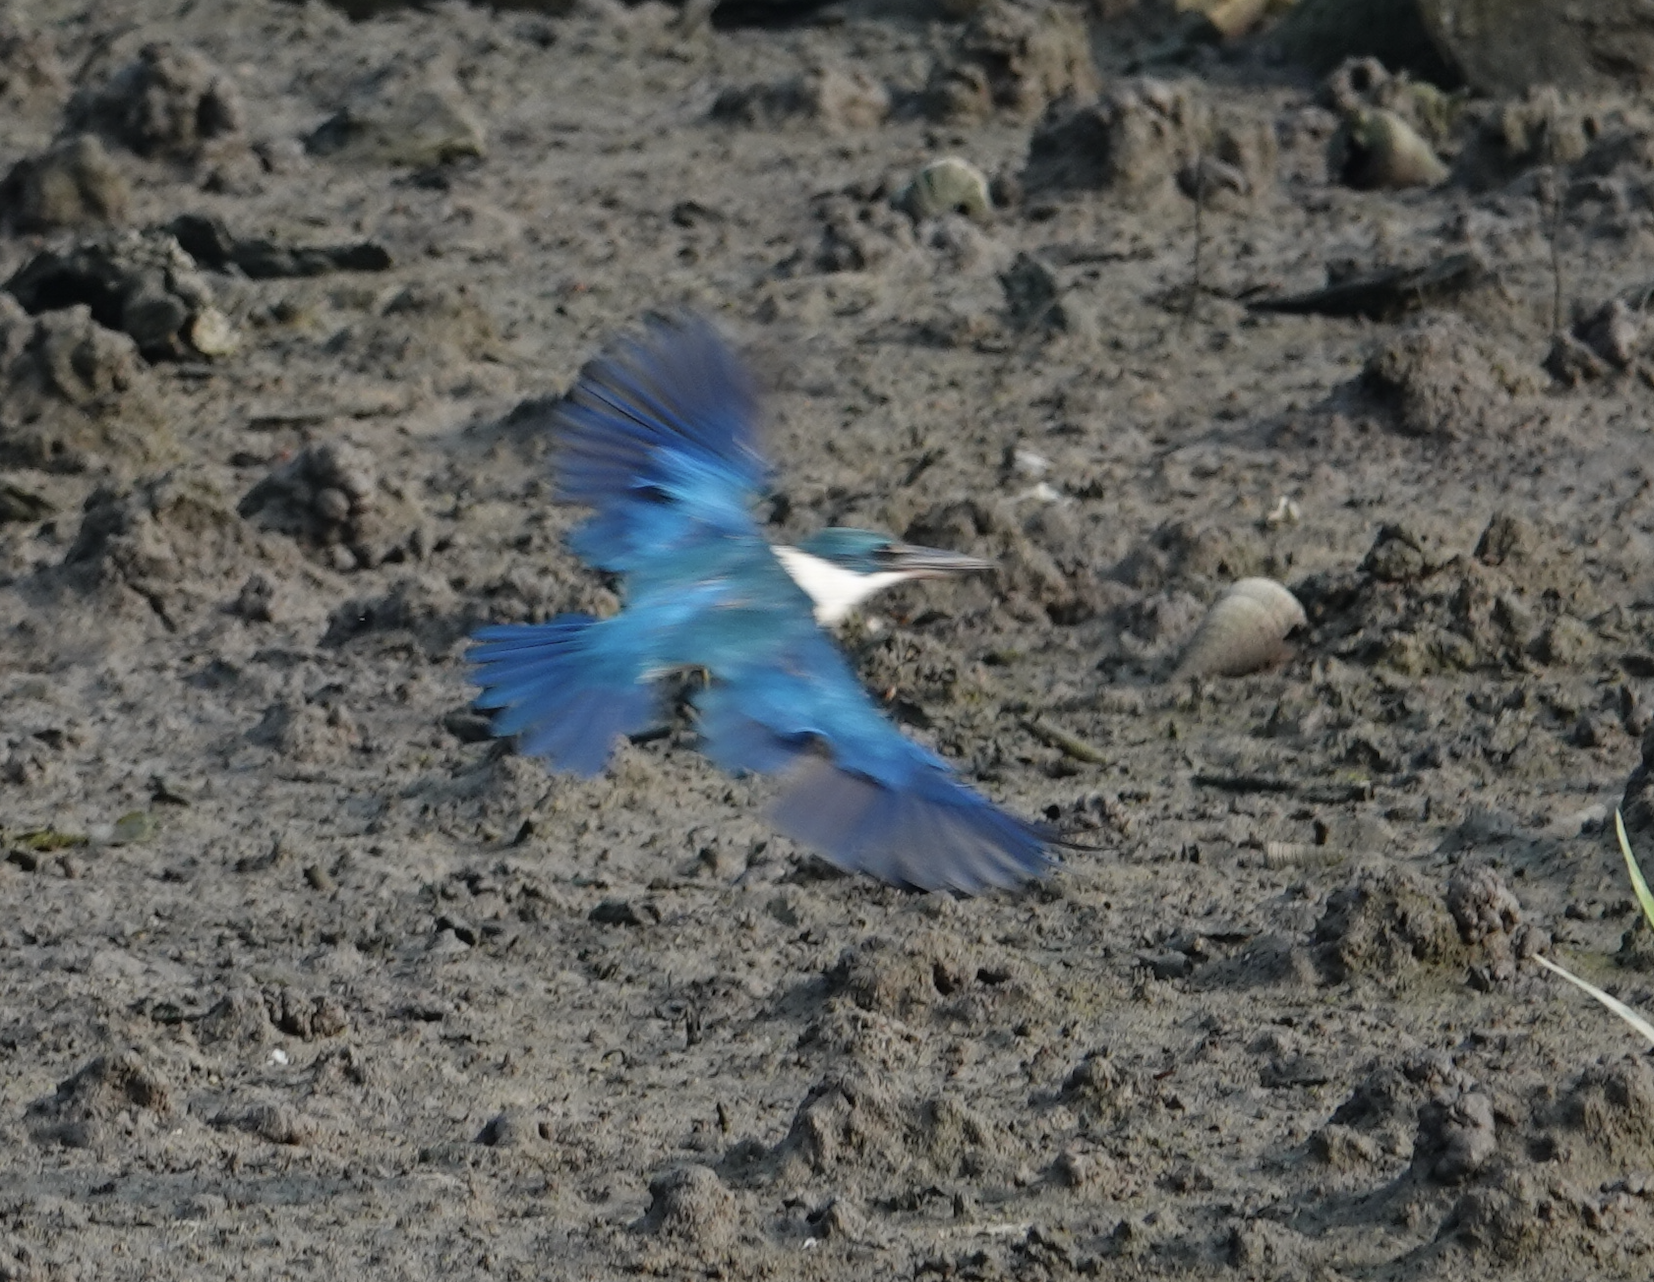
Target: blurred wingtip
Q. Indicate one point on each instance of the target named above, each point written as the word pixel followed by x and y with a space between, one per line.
pixel 922 840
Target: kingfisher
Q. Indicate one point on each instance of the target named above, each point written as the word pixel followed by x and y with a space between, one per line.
pixel 659 438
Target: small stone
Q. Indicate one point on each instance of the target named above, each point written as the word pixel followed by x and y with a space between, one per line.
pixel 210 333
pixel 406 117
pixel 332 505
pixel 134 829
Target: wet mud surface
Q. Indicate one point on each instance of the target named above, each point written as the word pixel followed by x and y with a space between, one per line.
pixel 302 975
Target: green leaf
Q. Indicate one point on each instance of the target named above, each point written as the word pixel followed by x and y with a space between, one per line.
pixel 1637 883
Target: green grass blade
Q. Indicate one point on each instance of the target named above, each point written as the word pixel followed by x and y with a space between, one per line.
pixel 1612 1003
pixel 1637 883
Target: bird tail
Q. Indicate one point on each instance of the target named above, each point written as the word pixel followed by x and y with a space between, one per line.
pixel 568 695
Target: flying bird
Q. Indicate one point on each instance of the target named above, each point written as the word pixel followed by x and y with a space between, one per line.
pixel 658 438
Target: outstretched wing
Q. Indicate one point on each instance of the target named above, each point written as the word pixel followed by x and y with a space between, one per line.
pixel 856 789
pixel 657 435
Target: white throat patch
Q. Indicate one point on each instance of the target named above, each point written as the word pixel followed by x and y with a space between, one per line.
pixel 835 590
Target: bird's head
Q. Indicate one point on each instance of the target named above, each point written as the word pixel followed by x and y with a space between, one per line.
pixel 839 568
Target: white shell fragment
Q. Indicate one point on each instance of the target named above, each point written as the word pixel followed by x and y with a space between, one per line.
pixel 1244 631
pixel 946 186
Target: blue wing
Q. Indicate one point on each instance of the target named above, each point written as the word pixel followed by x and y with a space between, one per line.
pixel 564 686
pixel 856 789
pixel 657 436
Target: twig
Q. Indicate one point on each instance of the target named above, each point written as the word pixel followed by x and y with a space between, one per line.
pixel 1555 230
pixel 1070 745
pixel 1200 235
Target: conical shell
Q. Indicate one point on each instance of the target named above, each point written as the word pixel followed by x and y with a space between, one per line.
pixel 1244 631
pixel 1377 149
pixel 949 185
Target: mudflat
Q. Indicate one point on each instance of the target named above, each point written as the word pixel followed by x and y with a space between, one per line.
pixel 304 974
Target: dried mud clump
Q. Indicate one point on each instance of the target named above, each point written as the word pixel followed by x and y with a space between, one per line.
pixel 304 1016
pixel 1507 1219
pixel 423 332
pixel 163 539
pixel 406 115
pixel 424 610
pixel 1605 341
pixel 692 1205
pixel 1438 377
pixel 836 97
pixel 171 102
pixel 328 497
pixel 1365 83
pixel 112 1094
pixel 860 235
pixel 1098 1088
pixel 1507 139
pixel 851 1127
pixel 1489 918
pixel 140 283
pixel 1132 142
pixel 1237 162
pixel 1013 56
pixel 73 395
pixel 1189 552
pixel 932 971
pixel 242 1018
pixel 32 81
pixel 270 1121
pixel 71 185
pixel 1384 926
pixel 1382 1114
pixel 1418 608
pixel 1613 1104
pixel 307 732
pixel 1457 1137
